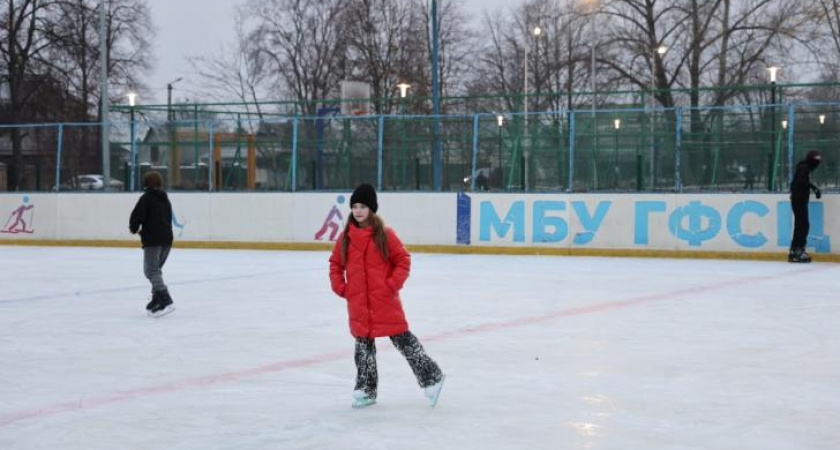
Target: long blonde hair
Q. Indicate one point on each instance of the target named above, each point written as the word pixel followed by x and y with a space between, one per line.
pixel 380 238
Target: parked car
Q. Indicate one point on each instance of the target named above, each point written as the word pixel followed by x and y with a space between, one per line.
pixel 93 182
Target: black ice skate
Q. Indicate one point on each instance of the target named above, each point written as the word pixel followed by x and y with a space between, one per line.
pixel 163 306
pixel 154 299
pixel 799 255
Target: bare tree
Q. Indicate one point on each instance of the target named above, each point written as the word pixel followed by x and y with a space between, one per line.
pixel 76 53
pixel 457 42
pixel 23 48
pixel 559 59
pixel 240 71
pixel 74 58
pixel 381 46
pixel 302 42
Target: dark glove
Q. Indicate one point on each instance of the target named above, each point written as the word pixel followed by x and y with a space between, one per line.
pixel 817 193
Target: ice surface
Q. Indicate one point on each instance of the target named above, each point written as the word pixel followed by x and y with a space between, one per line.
pixel 539 352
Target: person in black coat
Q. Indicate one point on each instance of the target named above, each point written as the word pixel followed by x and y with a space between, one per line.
pixel 152 218
pixel 800 193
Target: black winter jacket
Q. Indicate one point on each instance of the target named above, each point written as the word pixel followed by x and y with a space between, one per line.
pixel 152 217
pixel 801 186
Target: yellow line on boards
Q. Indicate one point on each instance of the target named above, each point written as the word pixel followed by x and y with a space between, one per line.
pixel 452 249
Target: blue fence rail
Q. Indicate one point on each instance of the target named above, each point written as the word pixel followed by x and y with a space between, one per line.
pixel 709 149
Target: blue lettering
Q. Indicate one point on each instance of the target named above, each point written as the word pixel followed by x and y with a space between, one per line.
pixel 541 222
pixel 591 224
pixel 695 234
pixel 816 235
pixel 515 217
pixel 643 210
pixel 736 216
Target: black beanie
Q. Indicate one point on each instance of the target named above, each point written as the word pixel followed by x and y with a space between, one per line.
pixel 366 195
pixel 813 157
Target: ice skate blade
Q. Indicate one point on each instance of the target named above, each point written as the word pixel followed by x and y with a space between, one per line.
pixel 169 309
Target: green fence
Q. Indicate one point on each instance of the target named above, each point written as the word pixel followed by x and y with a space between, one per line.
pixel 709 149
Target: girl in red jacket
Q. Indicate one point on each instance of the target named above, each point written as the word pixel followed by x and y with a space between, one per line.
pixel 368 267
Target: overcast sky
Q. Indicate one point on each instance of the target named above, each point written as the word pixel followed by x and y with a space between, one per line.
pixel 201 27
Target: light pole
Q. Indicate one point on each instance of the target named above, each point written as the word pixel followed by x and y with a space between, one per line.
pixel 820 137
pixel 776 161
pixel 500 122
pixel 657 60
pixel 772 71
pixel 174 159
pixel 593 45
pixel 132 100
pixel 403 91
pixel 617 125
pixel 537 31
pixel 103 97
pixel 169 114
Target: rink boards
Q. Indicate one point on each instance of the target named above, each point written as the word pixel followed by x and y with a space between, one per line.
pixel 610 224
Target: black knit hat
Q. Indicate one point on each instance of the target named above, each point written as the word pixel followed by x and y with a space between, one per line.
pixel 813 158
pixel 366 195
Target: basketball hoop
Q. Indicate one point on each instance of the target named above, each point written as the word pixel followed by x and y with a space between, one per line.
pixel 355 98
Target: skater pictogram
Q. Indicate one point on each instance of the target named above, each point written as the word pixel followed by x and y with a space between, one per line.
pixel 22 219
pixel 333 222
pixel 179 226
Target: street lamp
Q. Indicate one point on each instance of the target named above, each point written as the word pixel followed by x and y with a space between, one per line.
pixel 537 31
pixel 773 71
pixel 103 97
pixel 132 100
pixel 596 6
pixel 175 160
pixel 169 114
pixel 657 60
pixel 500 122
pixel 403 91
pixel 617 125
pixel 822 119
pixel 593 45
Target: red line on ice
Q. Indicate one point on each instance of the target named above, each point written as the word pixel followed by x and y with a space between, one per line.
pixel 80 404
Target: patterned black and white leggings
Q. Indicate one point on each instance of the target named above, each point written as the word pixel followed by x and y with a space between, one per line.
pixel 425 369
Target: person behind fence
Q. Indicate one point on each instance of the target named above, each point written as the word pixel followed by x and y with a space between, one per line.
pixel 749 177
pixel 368 267
pixel 152 219
pixel 800 193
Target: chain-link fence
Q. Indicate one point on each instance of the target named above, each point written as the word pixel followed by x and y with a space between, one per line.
pixel 710 149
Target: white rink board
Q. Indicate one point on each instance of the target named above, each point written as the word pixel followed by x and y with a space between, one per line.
pixel 684 222
pixel 722 222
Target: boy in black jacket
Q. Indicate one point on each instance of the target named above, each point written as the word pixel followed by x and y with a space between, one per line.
pixel 800 191
pixel 152 218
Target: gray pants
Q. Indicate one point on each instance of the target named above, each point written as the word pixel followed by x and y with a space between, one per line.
pixel 153 260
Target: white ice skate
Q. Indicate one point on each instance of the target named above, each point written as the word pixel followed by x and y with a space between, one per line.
pixel 433 392
pixel 361 399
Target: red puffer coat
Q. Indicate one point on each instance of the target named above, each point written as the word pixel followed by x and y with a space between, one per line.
pixel 371 283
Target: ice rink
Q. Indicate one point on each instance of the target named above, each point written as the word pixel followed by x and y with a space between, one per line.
pixel 539 352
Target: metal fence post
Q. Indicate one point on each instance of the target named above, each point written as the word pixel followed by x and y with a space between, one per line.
pixel 58 156
pixel 295 122
pixel 572 126
pixel 678 150
pixel 380 136
pixel 474 152
pixel 791 150
pixel 134 157
pixel 210 160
